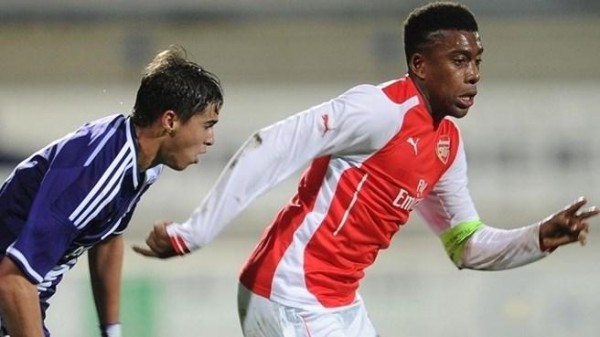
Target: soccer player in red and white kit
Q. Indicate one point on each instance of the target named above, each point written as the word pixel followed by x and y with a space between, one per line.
pixel 376 153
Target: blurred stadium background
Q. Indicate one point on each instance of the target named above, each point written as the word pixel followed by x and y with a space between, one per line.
pixel 531 139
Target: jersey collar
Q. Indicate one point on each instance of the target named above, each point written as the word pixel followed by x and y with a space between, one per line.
pixel 132 143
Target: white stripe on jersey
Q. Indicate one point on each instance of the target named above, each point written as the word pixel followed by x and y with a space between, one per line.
pixel 101 144
pixel 19 256
pixel 113 172
pixel 352 202
pixel 132 155
pixel 115 190
pixel 117 223
pixel 289 283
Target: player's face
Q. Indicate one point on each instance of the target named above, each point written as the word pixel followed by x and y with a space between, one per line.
pixel 451 72
pixel 188 141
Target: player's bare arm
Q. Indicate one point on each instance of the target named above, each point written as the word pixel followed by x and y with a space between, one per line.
pixel 19 304
pixel 105 266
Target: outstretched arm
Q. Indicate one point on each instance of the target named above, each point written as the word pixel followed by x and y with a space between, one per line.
pixel 450 213
pixel 495 249
pixel 105 266
pixel 352 123
pixel 19 302
pixel 264 160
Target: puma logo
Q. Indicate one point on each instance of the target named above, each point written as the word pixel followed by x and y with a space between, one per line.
pixel 325 118
pixel 413 142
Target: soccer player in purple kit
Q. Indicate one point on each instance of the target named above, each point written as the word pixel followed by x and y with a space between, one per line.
pixel 79 192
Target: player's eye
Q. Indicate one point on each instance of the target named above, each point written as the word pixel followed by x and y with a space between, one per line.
pixel 459 60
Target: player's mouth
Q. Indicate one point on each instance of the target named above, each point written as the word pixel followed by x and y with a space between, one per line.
pixel 467 100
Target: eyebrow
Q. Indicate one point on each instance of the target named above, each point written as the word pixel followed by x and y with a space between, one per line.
pixel 466 51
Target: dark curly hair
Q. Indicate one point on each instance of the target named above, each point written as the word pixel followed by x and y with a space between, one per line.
pixel 431 18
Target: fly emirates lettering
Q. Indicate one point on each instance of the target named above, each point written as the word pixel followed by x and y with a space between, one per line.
pixel 406 201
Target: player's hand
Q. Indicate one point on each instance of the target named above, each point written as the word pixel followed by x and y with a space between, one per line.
pixel 158 243
pixel 567 226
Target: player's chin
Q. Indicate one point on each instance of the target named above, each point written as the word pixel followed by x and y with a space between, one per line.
pixel 183 166
pixel 459 112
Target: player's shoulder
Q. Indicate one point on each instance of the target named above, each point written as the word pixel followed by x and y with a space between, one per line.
pixel 387 95
pixel 372 91
pixel 100 127
pixel 401 91
pixel 98 140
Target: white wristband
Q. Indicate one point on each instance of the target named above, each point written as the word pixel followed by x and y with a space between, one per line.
pixel 111 330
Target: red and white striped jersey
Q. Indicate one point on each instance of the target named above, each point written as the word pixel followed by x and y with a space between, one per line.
pixel 375 155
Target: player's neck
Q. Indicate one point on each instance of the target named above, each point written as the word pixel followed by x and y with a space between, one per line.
pixel 148 143
pixel 435 115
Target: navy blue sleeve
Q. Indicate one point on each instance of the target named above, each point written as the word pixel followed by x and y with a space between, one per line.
pixel 47 232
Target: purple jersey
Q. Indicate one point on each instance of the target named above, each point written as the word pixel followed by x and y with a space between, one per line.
pixel 68 196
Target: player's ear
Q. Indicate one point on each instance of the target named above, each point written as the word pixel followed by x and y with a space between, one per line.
pixel 169 121
pixel 417 65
